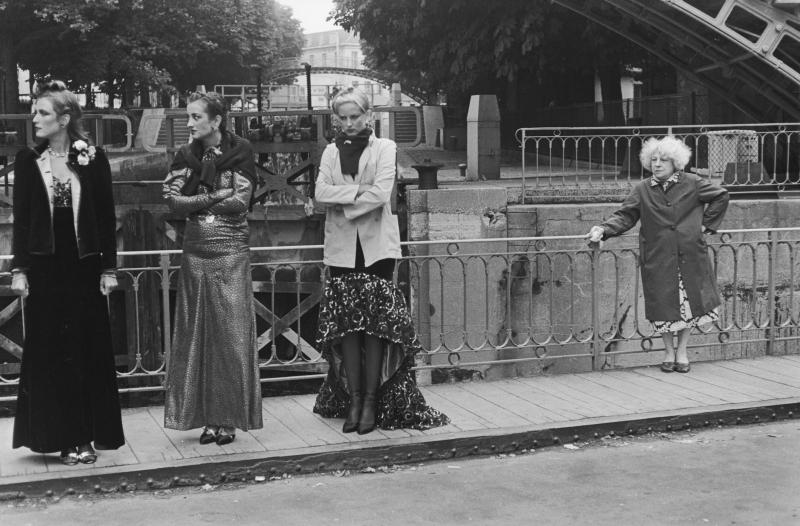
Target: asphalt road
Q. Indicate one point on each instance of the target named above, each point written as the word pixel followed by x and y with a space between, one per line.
pixel 740 475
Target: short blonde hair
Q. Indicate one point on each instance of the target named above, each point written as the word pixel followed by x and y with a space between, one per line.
pixel 351 94
pixel 673 148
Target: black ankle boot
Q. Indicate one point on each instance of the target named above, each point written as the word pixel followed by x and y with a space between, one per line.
pixel 353 414
pixel 367 421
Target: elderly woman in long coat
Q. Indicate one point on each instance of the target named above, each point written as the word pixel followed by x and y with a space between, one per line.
pixel 676 210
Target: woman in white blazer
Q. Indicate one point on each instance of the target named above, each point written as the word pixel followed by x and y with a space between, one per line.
pixel 365 328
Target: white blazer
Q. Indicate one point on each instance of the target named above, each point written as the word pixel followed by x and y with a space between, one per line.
pixel 368 215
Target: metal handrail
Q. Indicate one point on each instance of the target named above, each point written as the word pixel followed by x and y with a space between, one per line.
pixel 480 303
pixel 169 118
pixel 753 157
pixel 99 134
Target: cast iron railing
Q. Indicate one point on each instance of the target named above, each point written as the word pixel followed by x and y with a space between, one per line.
pixel 527 305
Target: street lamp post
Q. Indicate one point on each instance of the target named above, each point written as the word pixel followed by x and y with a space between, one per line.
pixel 259 104
pixel 307 67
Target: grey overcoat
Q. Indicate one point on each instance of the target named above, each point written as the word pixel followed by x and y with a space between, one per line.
pixel 671 240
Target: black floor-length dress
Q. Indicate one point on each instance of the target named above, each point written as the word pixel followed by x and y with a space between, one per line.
pixel 68 388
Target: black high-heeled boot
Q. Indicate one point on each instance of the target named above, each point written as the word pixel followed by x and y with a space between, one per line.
pixel 353 413
pixel 367 421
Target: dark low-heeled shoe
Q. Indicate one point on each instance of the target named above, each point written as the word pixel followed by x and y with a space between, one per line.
pixel 667 367
pixel 682 367
pixel 69 456
pixel 87 454
pixel 208 435
pixel 224 437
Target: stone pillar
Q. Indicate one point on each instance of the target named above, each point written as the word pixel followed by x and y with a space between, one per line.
pixel 395 94
pixel 483 138
pixel 433 120
pixel 458 300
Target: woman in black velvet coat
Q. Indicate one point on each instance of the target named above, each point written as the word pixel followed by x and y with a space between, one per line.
pixel 64 259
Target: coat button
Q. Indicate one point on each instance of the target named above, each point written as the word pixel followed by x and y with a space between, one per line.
pixel 672 227
pixel 669 204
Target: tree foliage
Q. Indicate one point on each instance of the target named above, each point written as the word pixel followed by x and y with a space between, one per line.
pixel 163 44
pixel 529 52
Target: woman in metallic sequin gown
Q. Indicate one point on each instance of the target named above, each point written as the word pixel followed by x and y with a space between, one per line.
pixel 365 329
pixel 212 371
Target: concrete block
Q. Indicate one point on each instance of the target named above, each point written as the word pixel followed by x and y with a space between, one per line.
pixel 483 138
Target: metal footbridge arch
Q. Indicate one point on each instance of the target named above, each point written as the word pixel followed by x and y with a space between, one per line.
pixel 284 71
pixel 746 51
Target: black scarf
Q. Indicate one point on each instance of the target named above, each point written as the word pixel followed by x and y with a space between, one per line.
pixel 350 149
pixel 236 154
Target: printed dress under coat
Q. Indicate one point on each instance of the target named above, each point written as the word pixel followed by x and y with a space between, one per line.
pixel 687 319
pixel 212 371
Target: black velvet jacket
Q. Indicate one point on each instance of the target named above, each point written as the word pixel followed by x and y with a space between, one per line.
pixel 33 224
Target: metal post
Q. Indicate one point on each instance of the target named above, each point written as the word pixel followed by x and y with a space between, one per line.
pixel 167 335
pixel 307 66
pixel 259 105
pixel 596 339
pixel 771 300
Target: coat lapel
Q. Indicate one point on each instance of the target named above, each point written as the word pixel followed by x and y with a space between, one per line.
pixel 363 161
pixel 46 172
pixel 79 175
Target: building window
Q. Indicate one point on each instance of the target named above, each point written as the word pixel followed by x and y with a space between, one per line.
pixel 355 63
pixel 324 59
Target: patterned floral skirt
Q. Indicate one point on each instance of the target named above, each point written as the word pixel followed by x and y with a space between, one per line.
pixel 360 302
pixel 687 318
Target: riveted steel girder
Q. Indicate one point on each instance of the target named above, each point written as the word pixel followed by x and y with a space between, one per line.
pixel 742 50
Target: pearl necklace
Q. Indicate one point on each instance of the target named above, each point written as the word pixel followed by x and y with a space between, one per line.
pixel 56 154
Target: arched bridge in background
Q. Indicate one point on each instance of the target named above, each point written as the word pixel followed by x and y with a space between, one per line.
pixel 746 51
pixel 292 68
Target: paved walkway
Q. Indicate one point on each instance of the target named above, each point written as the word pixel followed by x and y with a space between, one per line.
pixel 486 417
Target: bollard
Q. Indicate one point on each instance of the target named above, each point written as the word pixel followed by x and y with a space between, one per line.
pixel 462 168
pixel 428 174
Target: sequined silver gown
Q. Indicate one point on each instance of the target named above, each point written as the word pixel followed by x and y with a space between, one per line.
pixel 212 372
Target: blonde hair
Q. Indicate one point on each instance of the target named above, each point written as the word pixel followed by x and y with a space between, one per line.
pixel 64 103
pixel 673 148
pixel 351 94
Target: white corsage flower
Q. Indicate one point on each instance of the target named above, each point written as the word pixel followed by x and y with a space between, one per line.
pixel 85 153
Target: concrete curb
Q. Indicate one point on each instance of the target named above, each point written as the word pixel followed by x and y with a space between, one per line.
pixel 246 467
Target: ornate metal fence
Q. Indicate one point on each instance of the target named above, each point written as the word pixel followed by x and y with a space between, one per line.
pixel 758 158
pixel 486 307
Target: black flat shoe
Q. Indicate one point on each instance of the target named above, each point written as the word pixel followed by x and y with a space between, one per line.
pixel 682 367
pixel 87 454
pixel 208 435
pixel 224 437
pixel 667 367
pixel 69 456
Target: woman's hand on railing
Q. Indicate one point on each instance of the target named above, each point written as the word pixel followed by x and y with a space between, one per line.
pixel 19 284
pixel 108 282
pixel 595 236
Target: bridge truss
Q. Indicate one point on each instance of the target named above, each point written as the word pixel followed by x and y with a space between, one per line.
pixel 746 51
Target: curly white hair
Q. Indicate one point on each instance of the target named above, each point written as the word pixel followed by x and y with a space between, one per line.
pixel 673 148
